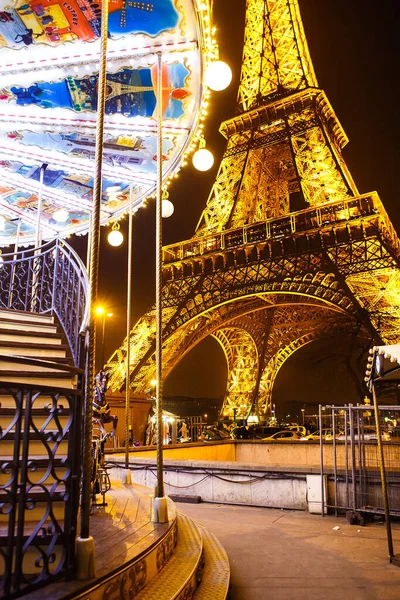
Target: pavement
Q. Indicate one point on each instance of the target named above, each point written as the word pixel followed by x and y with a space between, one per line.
pixel 279 554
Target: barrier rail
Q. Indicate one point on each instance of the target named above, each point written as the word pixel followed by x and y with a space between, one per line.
pixel 330 214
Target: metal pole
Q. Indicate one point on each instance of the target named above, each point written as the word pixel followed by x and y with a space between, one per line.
pixel 160 507
pixel 334 459
pixel 10 298
pixel 353 456
pixel 85 544
pixel 38 241
pixel 89 243
pixel 128 331
pixel 39 206
pixel 321 459
pixel 103 339
pixel 383 475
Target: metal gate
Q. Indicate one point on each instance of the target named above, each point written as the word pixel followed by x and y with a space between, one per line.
pixel 350 458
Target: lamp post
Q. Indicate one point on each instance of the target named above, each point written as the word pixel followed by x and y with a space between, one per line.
pixel 302 415
pixel 101 312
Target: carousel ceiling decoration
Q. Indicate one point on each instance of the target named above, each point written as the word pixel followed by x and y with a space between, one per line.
pixel 49 63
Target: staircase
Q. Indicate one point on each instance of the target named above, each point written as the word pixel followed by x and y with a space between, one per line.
pixel 40 421
pixel 39 449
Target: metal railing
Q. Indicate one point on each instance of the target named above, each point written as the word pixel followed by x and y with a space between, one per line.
pixel 49 279
pixel 39 485
pixel 350 458
pixel 307 220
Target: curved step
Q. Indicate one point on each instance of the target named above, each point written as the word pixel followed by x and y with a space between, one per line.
pixel 216 574
pixel 180 576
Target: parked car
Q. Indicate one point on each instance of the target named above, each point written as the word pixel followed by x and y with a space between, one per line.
pixel 299 428
pixel 213 434
pixel 327 434
pixel 285 435
pixel 368 433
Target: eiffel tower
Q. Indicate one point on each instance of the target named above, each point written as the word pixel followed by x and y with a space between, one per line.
pixel 265 281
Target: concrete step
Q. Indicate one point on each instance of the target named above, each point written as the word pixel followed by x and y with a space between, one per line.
pixel 178 578
pixel 21 316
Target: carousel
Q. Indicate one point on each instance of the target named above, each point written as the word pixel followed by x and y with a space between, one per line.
pixel 50 55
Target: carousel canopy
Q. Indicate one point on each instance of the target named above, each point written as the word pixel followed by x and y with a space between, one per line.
pixel 49 63
pixel 383 364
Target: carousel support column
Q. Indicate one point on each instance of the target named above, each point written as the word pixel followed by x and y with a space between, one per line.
pixel 392 558
pixel 38 242
pixel 127 477
pixel 85 543
pixel 160 501
pixel 89 242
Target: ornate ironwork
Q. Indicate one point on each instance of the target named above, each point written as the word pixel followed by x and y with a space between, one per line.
pixel 39 485
pixel 262 279
pixel 49 279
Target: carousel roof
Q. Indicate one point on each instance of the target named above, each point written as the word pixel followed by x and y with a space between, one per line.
pixel 49 63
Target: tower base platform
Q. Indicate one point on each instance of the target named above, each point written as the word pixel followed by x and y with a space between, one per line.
pixel 137 558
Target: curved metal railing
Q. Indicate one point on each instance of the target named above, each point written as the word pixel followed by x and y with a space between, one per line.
pixel 49 279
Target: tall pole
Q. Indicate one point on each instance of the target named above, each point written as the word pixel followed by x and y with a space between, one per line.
pixel 103 339
pixel 16 246
pixel 381 459
pixel 128 336
pixel 160 502
pixel 38 240
pixel 85 544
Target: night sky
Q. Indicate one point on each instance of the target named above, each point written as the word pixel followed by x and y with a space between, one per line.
pixel 355 48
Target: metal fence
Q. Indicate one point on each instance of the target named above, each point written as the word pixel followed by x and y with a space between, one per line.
pixel 39 485
pixel 50 279
pixel 350 458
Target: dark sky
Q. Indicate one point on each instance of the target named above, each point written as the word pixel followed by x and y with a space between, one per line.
pixel 355 48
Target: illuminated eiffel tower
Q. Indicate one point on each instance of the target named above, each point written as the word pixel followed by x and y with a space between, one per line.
pixel 265 281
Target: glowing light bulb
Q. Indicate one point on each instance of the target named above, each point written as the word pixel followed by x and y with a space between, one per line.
pixel 61 215
pixel 167 208
pixel 203 159
pixel 218 75
pixel 115 238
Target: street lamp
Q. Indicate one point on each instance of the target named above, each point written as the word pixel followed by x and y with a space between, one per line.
pixel 302 415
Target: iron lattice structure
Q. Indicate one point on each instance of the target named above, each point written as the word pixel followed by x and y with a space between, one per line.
pixel 260 278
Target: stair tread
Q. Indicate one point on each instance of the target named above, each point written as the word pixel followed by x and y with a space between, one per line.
pixel 40 345
pixel 21 316
pixel 216 574
pixel 180 567
pixel 39 334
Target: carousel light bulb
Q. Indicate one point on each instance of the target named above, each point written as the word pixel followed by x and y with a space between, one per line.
pixel 115 238
pixel 167 208
pixel 203 159
pixel 218 75
pixel 61 215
